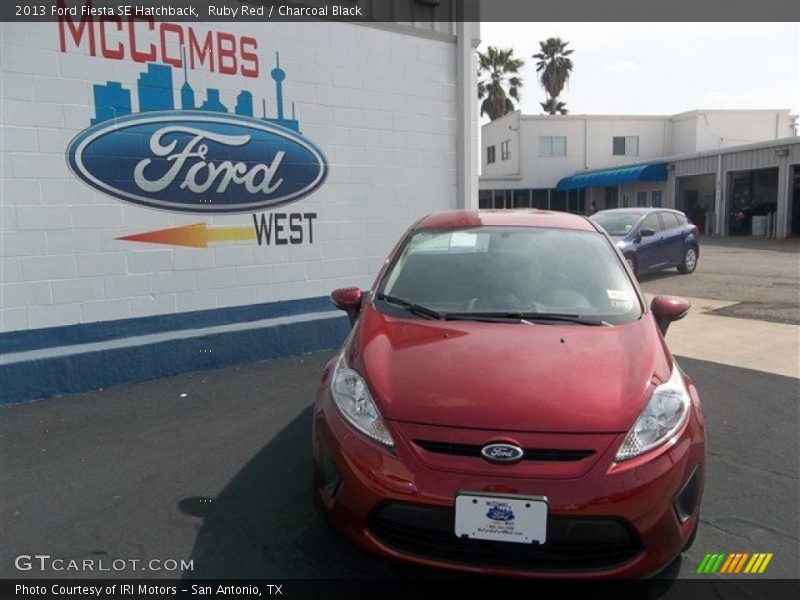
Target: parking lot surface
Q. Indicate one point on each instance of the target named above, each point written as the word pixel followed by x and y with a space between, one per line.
pixel 215 467
pixel 761 276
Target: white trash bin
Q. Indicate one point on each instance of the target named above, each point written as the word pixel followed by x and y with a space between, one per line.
pixel 760 226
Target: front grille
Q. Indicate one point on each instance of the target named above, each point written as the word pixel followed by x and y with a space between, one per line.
pixel 573 543
pixel 538 454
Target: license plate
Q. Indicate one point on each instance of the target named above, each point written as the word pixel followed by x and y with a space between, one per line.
pixel 519 519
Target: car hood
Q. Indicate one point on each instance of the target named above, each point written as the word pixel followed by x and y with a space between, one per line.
pixel 509 376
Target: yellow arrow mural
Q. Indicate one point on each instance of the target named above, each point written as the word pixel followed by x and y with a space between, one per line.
pixel 197 235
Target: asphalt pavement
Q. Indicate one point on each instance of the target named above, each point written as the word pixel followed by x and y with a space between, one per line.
pixel 214 467
pixel 762 276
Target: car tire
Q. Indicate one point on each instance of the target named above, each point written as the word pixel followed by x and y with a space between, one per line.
pixel 689 260
pixel 634 266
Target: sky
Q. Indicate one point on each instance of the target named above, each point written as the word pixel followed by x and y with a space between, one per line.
pixel 662 68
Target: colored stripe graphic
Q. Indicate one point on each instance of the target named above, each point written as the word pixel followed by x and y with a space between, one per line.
pixel 197 235
pixel 765 563
pixel 737 556
pixel 740 564
pixel 702 566
pixel 727 564
pixel 754 560
pixel 710 563
pixel 735 563
pixel 718 563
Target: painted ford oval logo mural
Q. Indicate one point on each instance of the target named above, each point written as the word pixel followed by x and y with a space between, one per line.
pixel 502 452
pixel 197 161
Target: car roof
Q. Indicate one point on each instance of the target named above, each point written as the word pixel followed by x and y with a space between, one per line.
pixel 635 210
pixel 452 219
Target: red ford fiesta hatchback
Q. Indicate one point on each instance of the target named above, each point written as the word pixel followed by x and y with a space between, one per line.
pixel 506 403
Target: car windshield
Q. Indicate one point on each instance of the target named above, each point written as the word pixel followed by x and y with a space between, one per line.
pixel 616 223
pixel 527 273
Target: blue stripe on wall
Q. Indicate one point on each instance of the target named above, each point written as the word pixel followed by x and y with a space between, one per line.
pixel 80 371
pixel 20 341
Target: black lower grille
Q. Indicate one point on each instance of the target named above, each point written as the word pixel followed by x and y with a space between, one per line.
pixel 540 454
pixel 573 543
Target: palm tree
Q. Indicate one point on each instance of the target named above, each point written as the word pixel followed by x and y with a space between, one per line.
pixel 553 106
pixel 496 69
pixel 554 68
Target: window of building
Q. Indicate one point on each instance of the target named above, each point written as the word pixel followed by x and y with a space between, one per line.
pixel 541 199
pixel 500 199
pixel 552 145
pixel 490 155
pixel 611 197
pixel 522 198
pixel 580 207
pixel 641 198
pixel 626 145
pixel 558 200
pixel 655 198
pixel 505 152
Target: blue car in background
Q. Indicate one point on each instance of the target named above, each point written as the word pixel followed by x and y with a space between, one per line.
pixel 651 239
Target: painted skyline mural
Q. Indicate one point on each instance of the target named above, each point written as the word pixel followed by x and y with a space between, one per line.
pixel 155 92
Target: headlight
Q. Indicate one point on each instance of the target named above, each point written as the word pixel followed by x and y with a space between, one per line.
pixel 352 398
pixel 620 244
pixel 662 417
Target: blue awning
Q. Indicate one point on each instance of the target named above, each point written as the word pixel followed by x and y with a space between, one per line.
pixel 608 177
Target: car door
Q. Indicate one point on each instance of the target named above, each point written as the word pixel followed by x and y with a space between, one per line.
pixel 649 249
pixel 673 238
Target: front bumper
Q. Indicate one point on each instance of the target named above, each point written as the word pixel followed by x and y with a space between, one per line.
pixel 627 520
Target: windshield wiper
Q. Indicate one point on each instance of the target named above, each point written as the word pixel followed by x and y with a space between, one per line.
pixel 489 317
pixel 527 317
pixel 416 309
pixel 565 317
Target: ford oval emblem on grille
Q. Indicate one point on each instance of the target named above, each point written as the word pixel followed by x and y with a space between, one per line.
pixel 502 452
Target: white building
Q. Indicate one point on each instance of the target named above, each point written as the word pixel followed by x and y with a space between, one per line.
pixel 101 246
pixel 568 162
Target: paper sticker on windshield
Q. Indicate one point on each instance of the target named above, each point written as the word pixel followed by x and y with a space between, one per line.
pixel 618 295
pixel 620 299
pixel 463 239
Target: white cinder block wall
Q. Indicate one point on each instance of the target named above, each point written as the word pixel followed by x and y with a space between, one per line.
pixel 380 104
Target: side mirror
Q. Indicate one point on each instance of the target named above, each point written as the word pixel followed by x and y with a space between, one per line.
pixel 667 309
pixel 644 233
pixel 349 300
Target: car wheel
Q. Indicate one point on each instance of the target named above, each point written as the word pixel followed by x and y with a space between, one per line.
pixel 631 260
pixel 689 261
